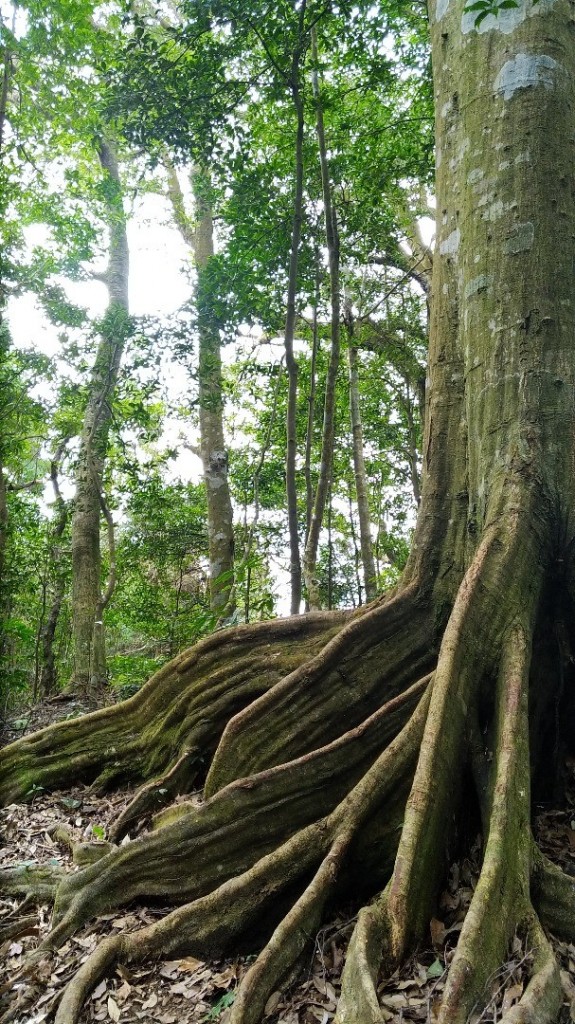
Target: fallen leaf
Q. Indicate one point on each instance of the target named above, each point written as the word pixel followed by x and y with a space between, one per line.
pixel 189 963
pixel 113 1009
pixel 435 970
pixel 510 997
pixel 150 1002
pixel 100 990
pixel 437 928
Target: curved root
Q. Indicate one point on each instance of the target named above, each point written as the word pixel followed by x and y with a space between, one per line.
pixel 501 899
pixel 37 882
pixel 184 707
pixel 301 924
pixel 386 648
pixel 387 929
pixel 541 1001
pixel 230 832
pixel 213 921
pixel 553 895
pixel 291 810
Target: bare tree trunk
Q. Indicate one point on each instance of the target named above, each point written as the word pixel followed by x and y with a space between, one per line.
pixel 328 432
pixel 311 408
pixel 361 483
pixel 48 674
pixel 89 663
pixel 199 236
pixel 212 443
pixel 291 364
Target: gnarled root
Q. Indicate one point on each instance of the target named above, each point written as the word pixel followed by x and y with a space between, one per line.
pixel 294 802
pixel 184 707
pixel 230 832
pixel 211 923
pixel 36 882
pixel 387 929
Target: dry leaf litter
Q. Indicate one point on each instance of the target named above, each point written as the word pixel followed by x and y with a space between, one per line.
pixel 188 991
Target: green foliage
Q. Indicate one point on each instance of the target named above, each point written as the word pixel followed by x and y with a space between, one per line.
pixel 223 1003
pixel 483 8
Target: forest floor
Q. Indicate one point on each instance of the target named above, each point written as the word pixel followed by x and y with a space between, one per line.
pixel 188 991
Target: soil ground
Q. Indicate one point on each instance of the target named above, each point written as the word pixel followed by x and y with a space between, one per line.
pixel 188 991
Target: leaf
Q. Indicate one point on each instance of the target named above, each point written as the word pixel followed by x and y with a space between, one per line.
pixel 113 1009
pixel 511 996
pixel 100 990
pixel 437 928
pixel 435 970
pixel 151 1001
pixel 189 963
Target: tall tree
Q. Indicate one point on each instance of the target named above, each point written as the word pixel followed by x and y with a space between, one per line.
pixel 199 236
pixel 453 685
pixel 328 431
pixel 89 502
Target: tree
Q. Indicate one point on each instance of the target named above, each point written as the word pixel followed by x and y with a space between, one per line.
pixel 199 236
pixel 88 602
pixel 453 684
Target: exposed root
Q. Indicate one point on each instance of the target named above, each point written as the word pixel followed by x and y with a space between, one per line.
pixel 388 928
pixel 184 707
pixel 501 900
pixel 295 804
pixel 541 1001
pixel 358 1002
pixel 156 794
pixel 230 832
pixel 302 922
pixel 382 651
pixel 553 895
pixel 212 922
pixel 37 882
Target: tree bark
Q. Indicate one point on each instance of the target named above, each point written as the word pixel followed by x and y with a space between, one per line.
pixel 212 442
pixel 88 632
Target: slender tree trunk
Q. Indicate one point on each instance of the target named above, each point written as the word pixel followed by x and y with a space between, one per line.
pixel 48 674
pixel 199 236
pixel 89 663
pixel 413 450
pixel 328 432
pixel 360 474
pixel 291 363
pixel 212 442
pixel 311 407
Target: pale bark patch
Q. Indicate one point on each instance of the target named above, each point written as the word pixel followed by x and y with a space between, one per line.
pixel 450 245
pixel 526 71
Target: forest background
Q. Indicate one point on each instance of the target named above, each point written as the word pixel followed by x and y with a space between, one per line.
pixel 289 175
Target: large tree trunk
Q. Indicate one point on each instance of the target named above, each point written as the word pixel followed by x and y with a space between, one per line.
pixel 366 736
pixel 88 631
